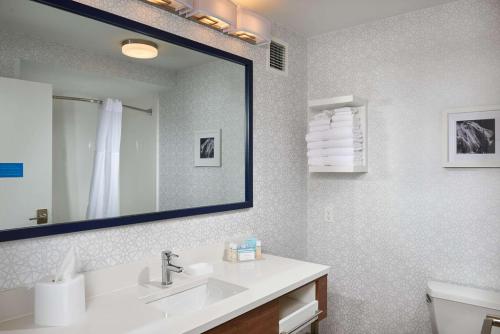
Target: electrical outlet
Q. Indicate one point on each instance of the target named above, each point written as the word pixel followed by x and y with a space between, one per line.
pixel 329 212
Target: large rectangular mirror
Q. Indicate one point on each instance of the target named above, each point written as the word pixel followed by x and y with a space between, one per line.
pixel 105 122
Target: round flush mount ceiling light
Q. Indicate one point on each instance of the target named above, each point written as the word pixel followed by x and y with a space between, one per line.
pixel 139 48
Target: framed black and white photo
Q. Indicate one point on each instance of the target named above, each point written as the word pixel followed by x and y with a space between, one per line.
pixel 207 148
pixel 470 137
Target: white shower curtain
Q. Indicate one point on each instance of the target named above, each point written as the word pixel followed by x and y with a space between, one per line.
pixel 104 198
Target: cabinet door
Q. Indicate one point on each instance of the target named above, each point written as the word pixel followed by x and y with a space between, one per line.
pixel 262 320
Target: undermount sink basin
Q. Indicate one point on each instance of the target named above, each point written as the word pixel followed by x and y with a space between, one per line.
pixel 194 298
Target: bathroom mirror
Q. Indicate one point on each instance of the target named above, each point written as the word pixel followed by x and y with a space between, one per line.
pixel 105 122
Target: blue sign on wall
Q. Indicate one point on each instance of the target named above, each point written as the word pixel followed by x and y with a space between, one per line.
pixel 11 170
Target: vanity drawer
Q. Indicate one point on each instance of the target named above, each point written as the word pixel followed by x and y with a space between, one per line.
pixel 300 308
pixel 262 320
pixel 295 315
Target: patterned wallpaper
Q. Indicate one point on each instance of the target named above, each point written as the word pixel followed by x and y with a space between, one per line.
pixel 408 219
pixel 210 96
pixel 279 213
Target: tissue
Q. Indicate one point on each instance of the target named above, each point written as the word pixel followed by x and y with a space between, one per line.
pixel 68 267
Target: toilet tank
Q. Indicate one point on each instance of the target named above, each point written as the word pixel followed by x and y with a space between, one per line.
pixel 457 309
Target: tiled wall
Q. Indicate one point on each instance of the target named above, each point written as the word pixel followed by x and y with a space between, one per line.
pixel 278 216
pixel 408 219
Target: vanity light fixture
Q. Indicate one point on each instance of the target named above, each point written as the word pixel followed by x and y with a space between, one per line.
pixel 252 27
pixel 139 48
pixel 180 7
pixel 217 14
pixel 222 15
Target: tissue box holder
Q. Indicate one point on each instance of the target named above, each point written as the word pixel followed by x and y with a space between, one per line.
pixel 59 303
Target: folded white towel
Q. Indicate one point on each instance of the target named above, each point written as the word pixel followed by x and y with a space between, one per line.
pixel 342 143
pixel 341 158
pixel 320 122
pixel 340 133
pixel 323 115
pixel 344 125
pixel 338 164
pixel 338 158
pixel 346 117
pixel 343 117
pixel 315 155
pixel 341 124
pixel 319 128
pixel 334 162
pixel 328 135
pixel 345 110
pixel 342 151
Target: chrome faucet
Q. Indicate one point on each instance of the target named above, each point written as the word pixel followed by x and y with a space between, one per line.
pixel 167 267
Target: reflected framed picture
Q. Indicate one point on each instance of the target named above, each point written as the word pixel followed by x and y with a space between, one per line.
pixel 470 137
pixel 207 148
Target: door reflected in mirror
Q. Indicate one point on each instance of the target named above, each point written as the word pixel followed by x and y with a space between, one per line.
pixel 97 121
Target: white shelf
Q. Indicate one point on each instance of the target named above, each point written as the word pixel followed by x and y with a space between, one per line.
pixel 331 103
pixel 336 102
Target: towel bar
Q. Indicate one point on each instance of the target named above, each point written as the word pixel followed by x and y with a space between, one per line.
pixel 489 322
pixel 305 323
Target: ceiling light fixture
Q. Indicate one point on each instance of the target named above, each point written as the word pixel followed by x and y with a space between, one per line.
pixel 252 27
pixel 218 14
pixel 139 48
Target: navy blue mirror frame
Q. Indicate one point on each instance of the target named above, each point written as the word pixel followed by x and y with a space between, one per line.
pixel 121 22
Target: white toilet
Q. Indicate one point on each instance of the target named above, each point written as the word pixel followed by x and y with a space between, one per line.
pixel 461 310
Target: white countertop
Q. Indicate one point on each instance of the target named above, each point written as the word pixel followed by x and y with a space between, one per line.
pixel 123 311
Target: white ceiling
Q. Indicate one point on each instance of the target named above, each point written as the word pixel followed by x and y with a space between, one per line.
pixel 313 17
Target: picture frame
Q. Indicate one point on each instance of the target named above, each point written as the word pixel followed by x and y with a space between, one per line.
pixel 470 137
pixel 207 148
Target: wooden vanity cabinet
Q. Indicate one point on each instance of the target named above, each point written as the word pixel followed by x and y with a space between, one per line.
pixel 265 319
pixel 262 320
pixel 321 295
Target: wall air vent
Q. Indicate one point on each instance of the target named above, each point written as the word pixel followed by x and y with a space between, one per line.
pixel 278 56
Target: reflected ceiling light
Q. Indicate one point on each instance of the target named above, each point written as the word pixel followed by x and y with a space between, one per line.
pixel 217 14
pixel 177 6
pixel 139 48
pixel 252 27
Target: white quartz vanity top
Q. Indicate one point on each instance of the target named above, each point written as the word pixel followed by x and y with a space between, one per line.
pixel 123 311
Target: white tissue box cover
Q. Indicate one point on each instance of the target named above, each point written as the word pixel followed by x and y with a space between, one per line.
pixel 59 303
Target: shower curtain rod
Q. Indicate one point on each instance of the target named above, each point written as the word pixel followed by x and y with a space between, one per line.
pixel 81 99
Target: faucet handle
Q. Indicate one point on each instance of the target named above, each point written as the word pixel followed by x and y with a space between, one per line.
pixel 168 255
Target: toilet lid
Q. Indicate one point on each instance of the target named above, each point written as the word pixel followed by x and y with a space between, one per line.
pixel 462 294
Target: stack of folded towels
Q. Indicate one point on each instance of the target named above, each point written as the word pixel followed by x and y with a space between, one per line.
pixel 335 138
